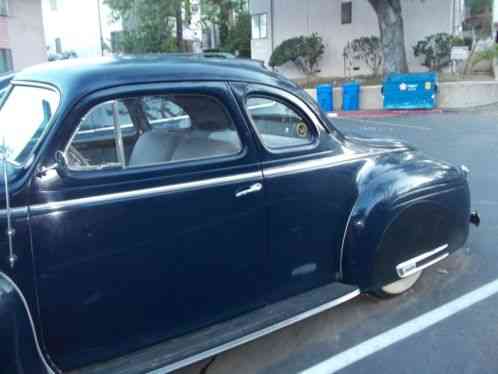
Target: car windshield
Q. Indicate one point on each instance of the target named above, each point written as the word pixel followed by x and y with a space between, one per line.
pixel 24 118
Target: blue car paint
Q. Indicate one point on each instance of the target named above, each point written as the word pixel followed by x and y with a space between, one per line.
pixel 105 279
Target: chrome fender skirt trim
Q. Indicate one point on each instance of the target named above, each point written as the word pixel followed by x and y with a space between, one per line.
pixel 49 370
pixel 412 266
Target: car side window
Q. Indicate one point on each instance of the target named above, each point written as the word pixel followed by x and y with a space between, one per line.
pixel 162 112
pixel 163 129
pixel 94 145
pixel 277 124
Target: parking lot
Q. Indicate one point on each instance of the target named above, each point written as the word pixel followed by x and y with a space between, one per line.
pixel 463 342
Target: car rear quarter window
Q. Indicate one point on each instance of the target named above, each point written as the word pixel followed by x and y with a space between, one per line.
pixel 277 124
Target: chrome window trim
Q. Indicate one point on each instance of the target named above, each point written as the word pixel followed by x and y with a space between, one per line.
pixel 145 193
pixel 256 335
pixel 31 321
pixel 311 118
pixel 222 105
pixel 315 132
pixel 50 123
pixel 37 84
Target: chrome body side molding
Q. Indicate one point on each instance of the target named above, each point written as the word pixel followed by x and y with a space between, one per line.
pixel 258 334
pixel 323 163
pixel 146 192
pixel 410 267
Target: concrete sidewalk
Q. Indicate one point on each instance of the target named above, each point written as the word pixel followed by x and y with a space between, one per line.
pixel 382 113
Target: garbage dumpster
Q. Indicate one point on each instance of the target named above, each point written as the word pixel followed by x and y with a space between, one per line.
pixel 410 91
pixel 351 96
pixel 325 97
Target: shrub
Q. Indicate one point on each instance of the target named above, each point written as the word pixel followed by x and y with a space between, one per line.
pixel 436 49
pixel 367 49
pixel 304 51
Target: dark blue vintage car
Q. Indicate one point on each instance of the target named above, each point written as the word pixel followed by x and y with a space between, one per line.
pixel 157 211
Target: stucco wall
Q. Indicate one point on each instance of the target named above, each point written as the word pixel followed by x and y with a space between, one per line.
pixel 261 48
pixel 451 95
pixel 4 33
pixel 297 17
pixel 25 28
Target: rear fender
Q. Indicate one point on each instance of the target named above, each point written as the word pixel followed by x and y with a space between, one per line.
pixel 383 233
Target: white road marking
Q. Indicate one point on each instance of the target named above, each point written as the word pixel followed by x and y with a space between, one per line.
pixel 407 329
pixel 382 123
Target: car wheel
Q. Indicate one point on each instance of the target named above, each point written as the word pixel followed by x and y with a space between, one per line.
pixel 398 287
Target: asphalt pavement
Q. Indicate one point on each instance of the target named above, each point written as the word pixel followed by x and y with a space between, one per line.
pixel 464 342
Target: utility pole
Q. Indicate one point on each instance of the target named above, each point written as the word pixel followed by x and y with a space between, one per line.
pixel 102 49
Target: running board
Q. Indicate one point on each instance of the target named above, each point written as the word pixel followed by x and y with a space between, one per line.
pixel 189 349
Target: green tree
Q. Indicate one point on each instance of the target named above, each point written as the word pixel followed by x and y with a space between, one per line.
pixel 303 51
pixel 233 21
pixel 436 49
pixel 239 36
pixel 481 17
pixel 479 6
pixel 367 49
pixel 149 26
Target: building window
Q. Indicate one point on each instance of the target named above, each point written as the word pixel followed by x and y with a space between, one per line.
pixel 58 45
pixel 260 26
pixel 6 61
pixel 54 6
pixel 4 8
pixel 346 13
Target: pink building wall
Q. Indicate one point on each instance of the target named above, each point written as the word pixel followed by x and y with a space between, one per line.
pixel 4 33
pixel 22 32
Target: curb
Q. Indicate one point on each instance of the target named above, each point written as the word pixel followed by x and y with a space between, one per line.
pixel 382 113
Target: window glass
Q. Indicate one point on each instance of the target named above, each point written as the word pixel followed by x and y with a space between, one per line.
pixel 346 13
pixel 4 10
pixel 24 118
pixel 5 61
pixel 260 26
pixel 162 112
pixel 263 26
pixel 95 143
pixel 278 125
pixel 163 129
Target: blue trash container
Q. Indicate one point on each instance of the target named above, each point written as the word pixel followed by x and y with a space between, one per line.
pixel 410 91
pixel 325 97
pixel 350 96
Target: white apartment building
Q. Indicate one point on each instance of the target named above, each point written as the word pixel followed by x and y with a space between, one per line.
pixel 339 21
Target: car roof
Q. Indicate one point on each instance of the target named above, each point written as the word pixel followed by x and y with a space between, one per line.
pixel 82 76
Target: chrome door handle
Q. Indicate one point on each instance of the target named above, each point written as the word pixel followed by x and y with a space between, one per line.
pixel 257 187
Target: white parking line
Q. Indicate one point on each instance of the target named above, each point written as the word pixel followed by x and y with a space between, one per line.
pixel 407 329
pixel 382 123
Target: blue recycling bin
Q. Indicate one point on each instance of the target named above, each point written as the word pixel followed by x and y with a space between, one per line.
pixel 350 96
pixel 410 91
pixel 325 97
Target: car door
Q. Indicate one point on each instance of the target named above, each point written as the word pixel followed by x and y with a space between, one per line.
pixel 132 248
pixel 309 192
